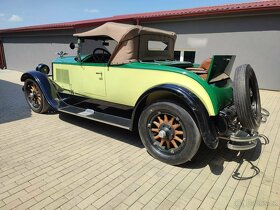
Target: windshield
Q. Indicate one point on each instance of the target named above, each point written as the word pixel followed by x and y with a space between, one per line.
pixel 97 51
pixel 89 45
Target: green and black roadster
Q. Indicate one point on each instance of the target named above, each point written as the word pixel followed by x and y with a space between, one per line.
pixel 126 75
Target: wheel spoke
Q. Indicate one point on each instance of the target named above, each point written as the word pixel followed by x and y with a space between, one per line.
pixel 157 137
pixel 178 139
pixel 179 132
pixel 161 142
pixel 155 130
pixel 160 120
pixel 156 123
pixel 168 144
pixel 176 126
pixel 171 121
pixel 165 118
pixel 174 143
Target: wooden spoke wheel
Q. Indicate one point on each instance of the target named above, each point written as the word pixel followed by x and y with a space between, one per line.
pixel 169 133
pixel 34 97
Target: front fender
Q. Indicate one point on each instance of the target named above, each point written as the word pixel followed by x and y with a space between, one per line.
pixel 194 105
pixel 45 85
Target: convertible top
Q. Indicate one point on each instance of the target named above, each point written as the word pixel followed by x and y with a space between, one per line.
pixel 133 42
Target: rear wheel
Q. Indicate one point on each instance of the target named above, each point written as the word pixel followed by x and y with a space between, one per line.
pixel 247 97
pixel 34 97
pixel 169 133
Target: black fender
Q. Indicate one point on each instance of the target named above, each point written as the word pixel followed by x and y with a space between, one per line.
pixel 193 103
pixel 45 85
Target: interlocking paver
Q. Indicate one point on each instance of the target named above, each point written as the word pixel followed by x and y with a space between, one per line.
pixel 58 161
pixel 12 204
pixel 26 204
pixel 14 196
pixel 136 206
pixel 121 206
pixel 43 203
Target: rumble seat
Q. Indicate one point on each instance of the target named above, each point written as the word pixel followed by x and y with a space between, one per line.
pixel 203 68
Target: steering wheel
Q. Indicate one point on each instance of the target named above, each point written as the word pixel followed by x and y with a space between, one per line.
pixel 100 57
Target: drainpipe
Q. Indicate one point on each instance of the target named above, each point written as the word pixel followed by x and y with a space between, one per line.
pixel 137 21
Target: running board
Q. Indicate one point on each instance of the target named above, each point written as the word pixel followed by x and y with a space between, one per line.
pixel 96 116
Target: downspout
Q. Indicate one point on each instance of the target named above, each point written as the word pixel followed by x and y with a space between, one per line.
pixel 137 22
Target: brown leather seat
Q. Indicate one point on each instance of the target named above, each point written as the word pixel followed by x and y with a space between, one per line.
pixel 202 70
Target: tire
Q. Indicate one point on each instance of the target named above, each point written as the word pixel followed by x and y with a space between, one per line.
pixel 178 126
pixel 247 97
pixel 34 97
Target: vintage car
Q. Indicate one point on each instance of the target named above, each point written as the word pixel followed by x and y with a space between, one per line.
pixel 128 78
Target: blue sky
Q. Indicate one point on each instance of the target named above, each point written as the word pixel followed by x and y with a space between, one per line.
pixel 17 13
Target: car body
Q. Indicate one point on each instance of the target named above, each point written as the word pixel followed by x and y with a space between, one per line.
pixel 138 85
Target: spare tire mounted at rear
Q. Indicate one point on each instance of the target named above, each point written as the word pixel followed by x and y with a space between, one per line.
pixel 247 97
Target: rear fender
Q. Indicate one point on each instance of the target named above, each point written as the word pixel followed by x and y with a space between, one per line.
pixel 192 103
pixel 45 85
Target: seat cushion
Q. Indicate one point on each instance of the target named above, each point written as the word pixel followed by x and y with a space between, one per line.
pixel 205 64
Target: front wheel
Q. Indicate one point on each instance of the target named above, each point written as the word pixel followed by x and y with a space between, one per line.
pixel 34 97
pixel 169 133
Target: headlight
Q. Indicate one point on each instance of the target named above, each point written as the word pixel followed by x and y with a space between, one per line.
pixel 43 68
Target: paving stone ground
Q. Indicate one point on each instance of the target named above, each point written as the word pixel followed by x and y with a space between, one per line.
pixel 57 161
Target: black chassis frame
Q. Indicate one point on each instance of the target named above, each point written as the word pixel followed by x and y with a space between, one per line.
pixel 62 102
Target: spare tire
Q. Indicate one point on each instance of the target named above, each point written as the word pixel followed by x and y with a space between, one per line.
pixel 247 97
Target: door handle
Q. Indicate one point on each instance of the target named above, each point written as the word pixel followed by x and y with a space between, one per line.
pixel 101 75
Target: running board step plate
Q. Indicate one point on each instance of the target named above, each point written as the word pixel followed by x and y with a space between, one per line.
pixel 96 116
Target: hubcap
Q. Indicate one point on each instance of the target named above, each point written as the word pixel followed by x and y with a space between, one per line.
pixel 166 131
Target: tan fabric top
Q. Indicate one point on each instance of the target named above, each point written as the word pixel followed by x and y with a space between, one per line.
pixel 120 31
pixel 128 37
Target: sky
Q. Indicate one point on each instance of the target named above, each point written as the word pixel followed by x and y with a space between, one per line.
pixel 18 13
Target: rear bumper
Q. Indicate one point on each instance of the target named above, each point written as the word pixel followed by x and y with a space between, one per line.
pixel 242 140
pixel 238 137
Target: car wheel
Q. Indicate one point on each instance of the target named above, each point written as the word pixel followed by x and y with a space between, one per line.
pixel 247 97
pixel 34 97
pixel 169 133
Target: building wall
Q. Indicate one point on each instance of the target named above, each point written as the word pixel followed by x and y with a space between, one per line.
pixel 24 53
pixel 254 39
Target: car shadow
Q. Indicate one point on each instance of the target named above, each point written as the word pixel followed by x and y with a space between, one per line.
pixel 13 105
pixel 205 157
pixel 217 159
pixel 110 131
